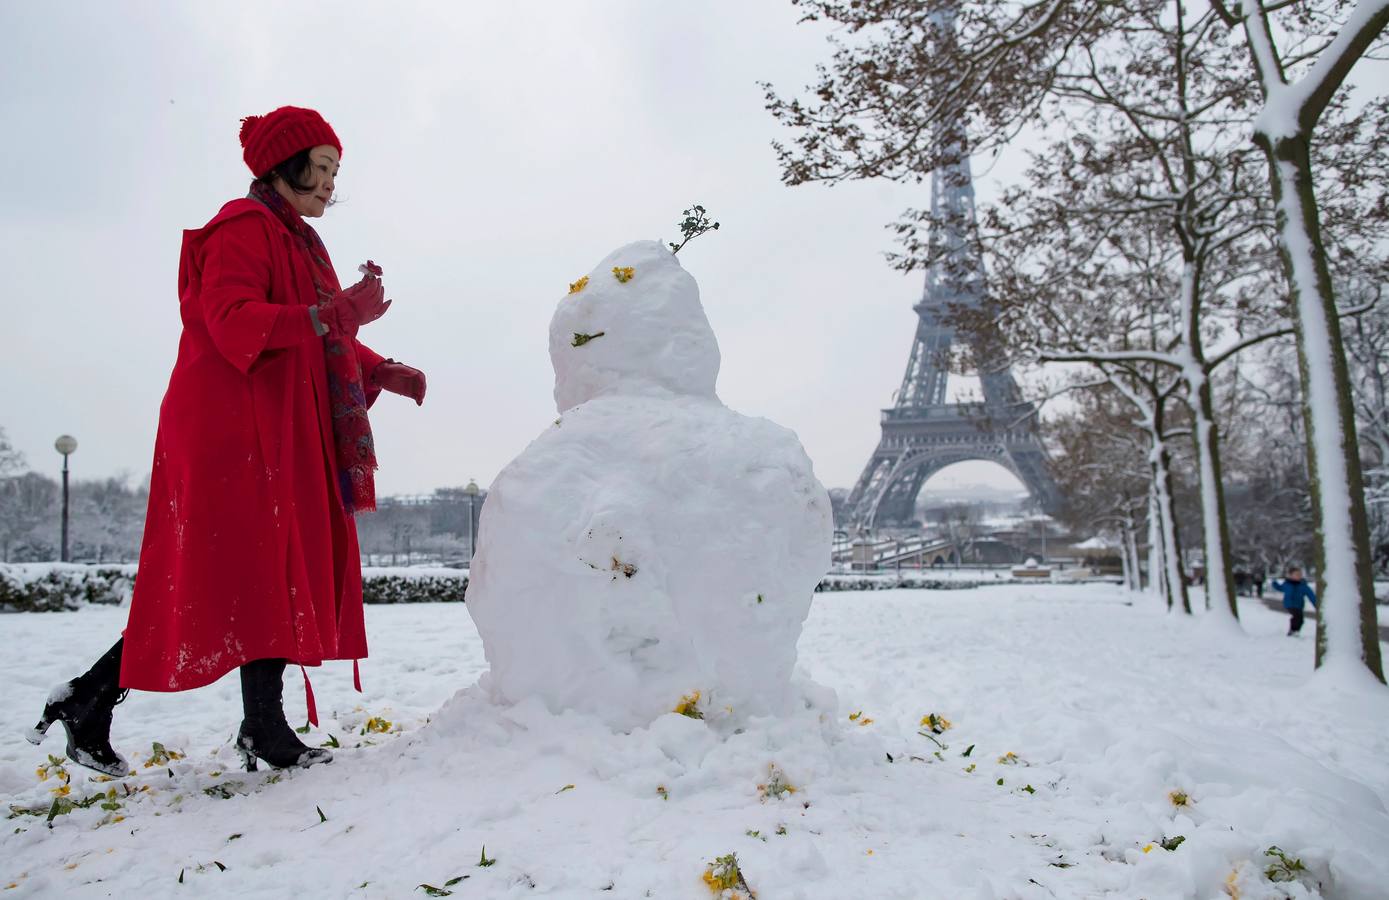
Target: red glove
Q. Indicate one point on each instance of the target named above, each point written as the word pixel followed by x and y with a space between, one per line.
pixel 398 378
pixel 360 304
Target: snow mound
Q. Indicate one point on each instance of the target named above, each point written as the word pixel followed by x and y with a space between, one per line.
pixel 653 549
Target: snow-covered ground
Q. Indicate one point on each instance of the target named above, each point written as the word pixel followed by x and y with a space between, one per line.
pixel 1084 715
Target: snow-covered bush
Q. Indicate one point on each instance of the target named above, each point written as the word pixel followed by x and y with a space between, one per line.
pixel 54 587
pixel 414 585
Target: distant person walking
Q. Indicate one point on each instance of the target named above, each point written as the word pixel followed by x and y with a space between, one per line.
pixel 1295 592
pixel 264 453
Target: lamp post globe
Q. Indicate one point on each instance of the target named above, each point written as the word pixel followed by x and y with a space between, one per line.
pixel 472 491
pixel 66 444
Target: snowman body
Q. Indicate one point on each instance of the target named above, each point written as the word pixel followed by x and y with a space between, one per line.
pixel 653 548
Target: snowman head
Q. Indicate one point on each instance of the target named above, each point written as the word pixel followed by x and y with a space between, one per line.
pixel 632 325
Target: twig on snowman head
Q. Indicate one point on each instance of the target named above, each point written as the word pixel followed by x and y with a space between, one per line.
pixel 695 223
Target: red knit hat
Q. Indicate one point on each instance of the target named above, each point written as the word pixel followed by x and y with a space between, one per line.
pixel 269 140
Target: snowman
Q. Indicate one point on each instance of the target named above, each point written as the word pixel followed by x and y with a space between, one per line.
pixel 652 551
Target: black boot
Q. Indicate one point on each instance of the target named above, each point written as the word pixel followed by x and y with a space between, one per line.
pixel 84 706
pixel 264 732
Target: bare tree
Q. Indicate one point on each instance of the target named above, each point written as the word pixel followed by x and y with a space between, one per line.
pixel 28 516
pixel 959 523
pixel 1367 348
pixel 108 519
pixel 11 460
pixel 1299 80
pixel 1266 480
pixel 1103 472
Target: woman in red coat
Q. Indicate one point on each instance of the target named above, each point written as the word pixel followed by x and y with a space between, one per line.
pixel 264 453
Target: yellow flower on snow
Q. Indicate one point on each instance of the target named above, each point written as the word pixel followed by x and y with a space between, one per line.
pixel 937 723
pixel 689 706
pixel 579 285
pixel 624 273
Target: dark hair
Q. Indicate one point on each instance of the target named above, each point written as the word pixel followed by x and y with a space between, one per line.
pixel 292 171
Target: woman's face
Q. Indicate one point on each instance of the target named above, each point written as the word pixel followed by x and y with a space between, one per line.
pixel 323 169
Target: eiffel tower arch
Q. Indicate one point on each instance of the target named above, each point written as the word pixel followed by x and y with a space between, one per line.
pixel 921 432
pixel 920 443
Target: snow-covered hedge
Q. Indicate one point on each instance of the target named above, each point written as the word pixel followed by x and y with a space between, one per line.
pixel 432 585
pixel 908 582
pixel 54 587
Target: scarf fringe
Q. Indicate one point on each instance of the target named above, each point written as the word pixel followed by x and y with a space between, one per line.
pixel 354 449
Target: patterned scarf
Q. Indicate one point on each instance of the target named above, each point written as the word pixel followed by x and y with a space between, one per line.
pixel 353 445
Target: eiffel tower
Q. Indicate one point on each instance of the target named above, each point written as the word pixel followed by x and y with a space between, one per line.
pixel 922 433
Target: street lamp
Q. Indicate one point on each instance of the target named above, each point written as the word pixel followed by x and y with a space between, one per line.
pixel 65 444
pixel 472 491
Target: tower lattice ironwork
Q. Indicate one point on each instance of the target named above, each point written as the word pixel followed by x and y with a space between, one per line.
pixel 922 433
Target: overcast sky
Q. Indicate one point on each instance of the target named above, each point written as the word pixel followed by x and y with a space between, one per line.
pixel 492 153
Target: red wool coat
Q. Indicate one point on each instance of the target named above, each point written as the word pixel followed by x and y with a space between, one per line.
pixel 247 553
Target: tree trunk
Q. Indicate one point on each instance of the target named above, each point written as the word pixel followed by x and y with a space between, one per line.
pixel 1156 581
pixel 1344 563
pixel 1167 520
pixel 1131 554
pixel 1220 590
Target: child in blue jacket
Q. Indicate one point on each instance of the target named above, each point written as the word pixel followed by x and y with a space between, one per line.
pixel 1295 592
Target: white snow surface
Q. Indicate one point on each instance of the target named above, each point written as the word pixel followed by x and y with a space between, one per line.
pixel 652 547
pixel 1108 707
